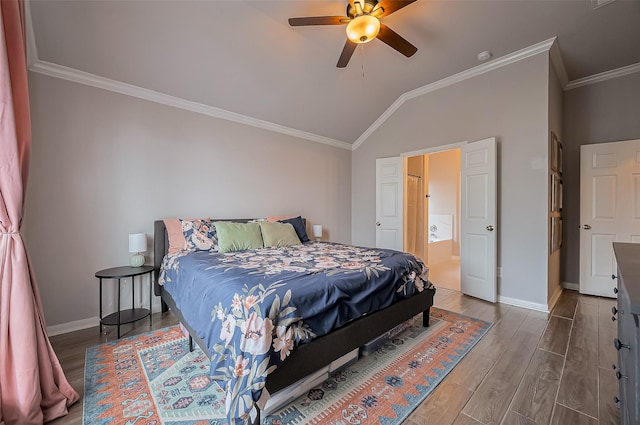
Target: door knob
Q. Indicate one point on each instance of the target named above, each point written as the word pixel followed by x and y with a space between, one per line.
pixel 585 227
pixel 490 228
pixel 377 223
pixel 619 345
pixel 619 375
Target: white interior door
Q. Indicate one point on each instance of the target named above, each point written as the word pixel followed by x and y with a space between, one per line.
pixel 389 213
pixel 478 224
pixel 609 210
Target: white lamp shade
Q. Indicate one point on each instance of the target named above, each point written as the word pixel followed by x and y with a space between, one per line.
pixel 317 230
pixel 137 242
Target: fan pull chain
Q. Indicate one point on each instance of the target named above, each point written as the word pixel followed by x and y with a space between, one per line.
pixel 362 57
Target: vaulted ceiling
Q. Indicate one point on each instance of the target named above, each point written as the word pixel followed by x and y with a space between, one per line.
pixel 243 57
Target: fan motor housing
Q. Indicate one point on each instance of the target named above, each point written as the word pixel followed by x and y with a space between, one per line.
pixel 367 7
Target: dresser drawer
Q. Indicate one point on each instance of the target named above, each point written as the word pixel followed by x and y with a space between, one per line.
pixel 628 341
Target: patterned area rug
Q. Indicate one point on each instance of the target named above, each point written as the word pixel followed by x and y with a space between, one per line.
pixel 152 379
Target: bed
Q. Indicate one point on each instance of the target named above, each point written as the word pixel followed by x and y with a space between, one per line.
pixel 301 341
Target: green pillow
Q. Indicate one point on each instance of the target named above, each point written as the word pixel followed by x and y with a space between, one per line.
pixel 278 234
pixel 238 236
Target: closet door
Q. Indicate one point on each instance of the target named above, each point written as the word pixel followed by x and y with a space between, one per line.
pixel 609 210
pixel 389 207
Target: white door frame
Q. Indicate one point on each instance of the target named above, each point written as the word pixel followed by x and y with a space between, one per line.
pixel 434 150
pixel 489 293
pixel 427 151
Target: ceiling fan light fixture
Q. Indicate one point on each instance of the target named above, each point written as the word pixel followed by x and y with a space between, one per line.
pixel 363 28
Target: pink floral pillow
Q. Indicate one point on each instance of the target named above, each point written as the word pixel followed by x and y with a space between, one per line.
pixel 275 218
pixel 194 234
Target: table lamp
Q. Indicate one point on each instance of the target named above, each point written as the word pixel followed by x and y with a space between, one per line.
pixel 137 245
pixel 317 231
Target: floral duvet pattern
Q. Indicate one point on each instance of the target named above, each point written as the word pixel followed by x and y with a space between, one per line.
pixel 252 308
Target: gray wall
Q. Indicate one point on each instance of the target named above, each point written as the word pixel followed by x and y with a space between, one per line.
pixel 104 165
pixel 511 104
pixel 605 112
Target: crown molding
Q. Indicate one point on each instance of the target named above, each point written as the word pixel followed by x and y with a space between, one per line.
pixel 603 76
pixel 81 77
pixel 454 79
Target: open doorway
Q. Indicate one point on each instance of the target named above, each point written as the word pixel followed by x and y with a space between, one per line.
pixel 432 221
pixel 474 227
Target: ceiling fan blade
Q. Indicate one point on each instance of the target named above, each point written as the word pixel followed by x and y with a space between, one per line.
pixel 318 20
pixel 346 54
pixel 394 40
pixel 390 6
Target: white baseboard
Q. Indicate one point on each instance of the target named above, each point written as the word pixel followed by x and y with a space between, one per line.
pixel 533 306
pixel 90 322
pixel 522 303
pixel 571 285
pixel 76 325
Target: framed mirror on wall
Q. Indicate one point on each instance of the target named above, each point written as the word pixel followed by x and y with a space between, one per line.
pixel 555 235
pixel 553 153
pixel 555 188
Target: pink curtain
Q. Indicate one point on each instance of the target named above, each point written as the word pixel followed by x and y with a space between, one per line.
pixel 33 388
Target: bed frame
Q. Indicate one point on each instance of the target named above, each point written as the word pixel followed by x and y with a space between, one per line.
pixel 312 356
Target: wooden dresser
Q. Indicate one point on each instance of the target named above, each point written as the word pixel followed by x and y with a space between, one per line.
pixel 628 340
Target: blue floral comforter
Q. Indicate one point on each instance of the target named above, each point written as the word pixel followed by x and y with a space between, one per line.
pixel 252 308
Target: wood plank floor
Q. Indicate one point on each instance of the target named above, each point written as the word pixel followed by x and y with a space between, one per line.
pixel 531 368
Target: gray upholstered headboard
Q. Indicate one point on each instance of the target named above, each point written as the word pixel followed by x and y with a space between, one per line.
pixel 160 248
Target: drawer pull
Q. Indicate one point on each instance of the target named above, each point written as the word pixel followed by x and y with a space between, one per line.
pixel 619 345
pixel 615 290
pixel 614 277
pixel 620 375
pixel 616 400
pixel 613 318
pixel 614 310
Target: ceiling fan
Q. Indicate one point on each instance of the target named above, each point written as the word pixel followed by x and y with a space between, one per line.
pixel 363 25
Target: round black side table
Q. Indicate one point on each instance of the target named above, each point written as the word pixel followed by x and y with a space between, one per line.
pixel 121 317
